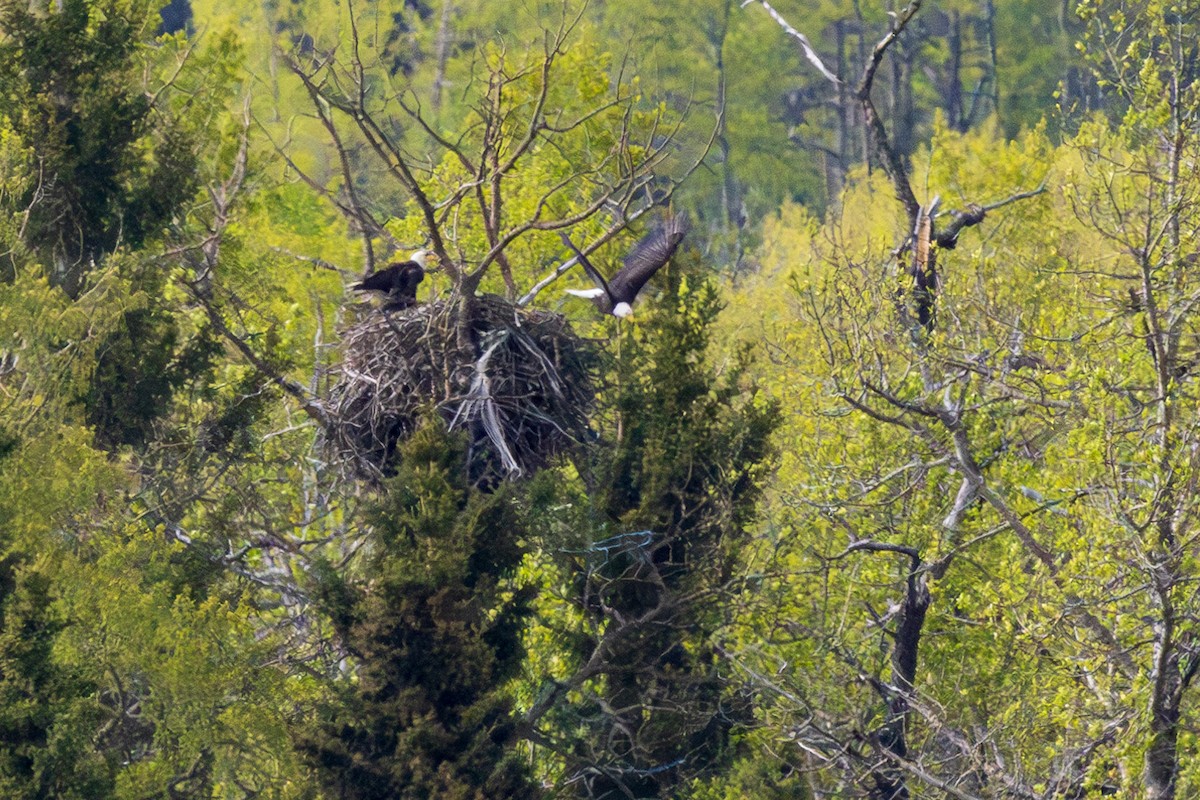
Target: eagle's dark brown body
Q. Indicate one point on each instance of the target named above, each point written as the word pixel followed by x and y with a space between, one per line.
pixel 396 282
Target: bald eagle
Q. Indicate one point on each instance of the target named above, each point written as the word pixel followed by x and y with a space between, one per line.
pixel 397 282
pixel 648 256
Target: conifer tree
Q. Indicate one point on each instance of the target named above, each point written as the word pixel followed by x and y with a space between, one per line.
pixel 110 164
pixel 48 714
pixel 72 90
pixel 678 489
pixel 434 630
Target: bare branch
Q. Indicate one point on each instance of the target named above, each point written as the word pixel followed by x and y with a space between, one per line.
pixel 316 262
pixel 384 148
pixel 310 404
pixel 566 266
pixel 947 238
pixel 367 224
pixel 805 45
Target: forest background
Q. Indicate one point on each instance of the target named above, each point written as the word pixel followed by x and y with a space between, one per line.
pixel 889 490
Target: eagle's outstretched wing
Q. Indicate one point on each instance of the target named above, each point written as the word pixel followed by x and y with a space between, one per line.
pixel 648 257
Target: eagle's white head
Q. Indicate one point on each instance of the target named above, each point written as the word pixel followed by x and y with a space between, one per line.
pixel 622 310
pixel 419 256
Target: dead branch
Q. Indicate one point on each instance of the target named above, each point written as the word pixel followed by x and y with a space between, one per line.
pixel 805 45
pixel 892 162
pixel 310 404
pixel 947 238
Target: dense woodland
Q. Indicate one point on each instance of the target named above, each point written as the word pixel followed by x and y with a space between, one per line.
pixel 890 488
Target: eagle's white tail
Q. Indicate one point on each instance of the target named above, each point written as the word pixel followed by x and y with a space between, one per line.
pixel 588 293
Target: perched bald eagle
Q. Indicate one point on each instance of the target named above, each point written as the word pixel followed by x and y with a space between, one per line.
pixel 648 256
pixel 397 282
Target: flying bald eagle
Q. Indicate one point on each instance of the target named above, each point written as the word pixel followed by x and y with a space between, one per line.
pixel 648 256
pixel 397 282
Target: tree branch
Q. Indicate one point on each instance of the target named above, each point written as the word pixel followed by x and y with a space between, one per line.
pixel 805 45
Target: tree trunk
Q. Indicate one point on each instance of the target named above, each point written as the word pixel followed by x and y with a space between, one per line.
pixel 441 56
pixel 731 205
pixel 835 177
pixel 989 16
pixel 901 110
pixel 953 90
pixel 1162 755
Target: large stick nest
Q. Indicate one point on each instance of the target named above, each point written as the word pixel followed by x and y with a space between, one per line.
pixel 521 388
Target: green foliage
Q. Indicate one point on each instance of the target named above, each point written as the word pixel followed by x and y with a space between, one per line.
pixel 1042 373
pixel 434 628
pixel 108 132
pixel 141 365
pixel 104 176
pixel 676 493
pixel 754 777
pixel 192 705
pixel 689 439
pixel 50 712
pixel 193 602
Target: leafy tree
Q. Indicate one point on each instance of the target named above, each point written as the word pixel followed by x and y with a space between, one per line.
pixel 110 145
pixel 48 476
pixel 147 673
pixel 1008 483
pixel 193 704
pixel 1137 195
pixel 142 365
